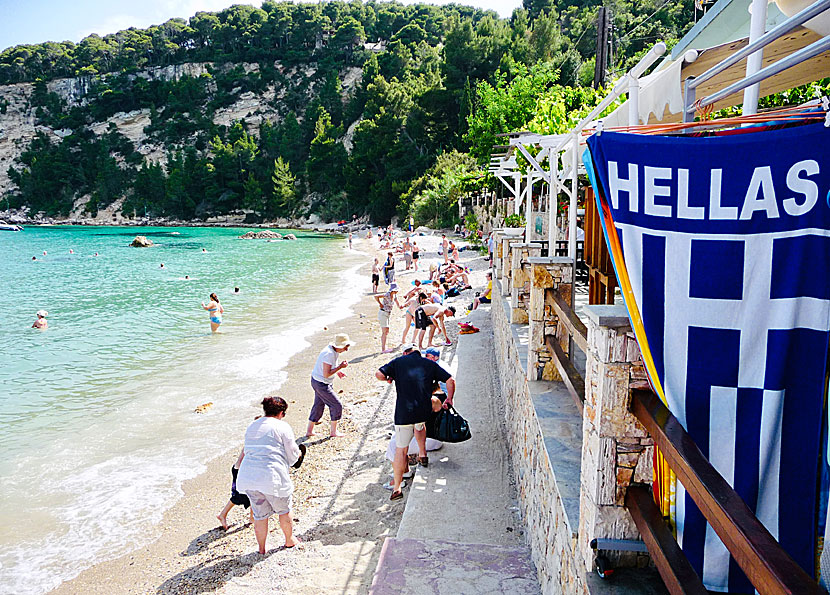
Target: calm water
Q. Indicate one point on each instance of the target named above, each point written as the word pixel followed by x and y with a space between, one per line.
pixel 97 430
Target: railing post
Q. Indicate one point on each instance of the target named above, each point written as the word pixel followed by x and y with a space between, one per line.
pixel 520 278
pixel 546 274
pixel 616 449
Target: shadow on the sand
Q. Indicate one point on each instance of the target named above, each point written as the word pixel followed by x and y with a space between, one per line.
pixel 211 574
pixel 205 539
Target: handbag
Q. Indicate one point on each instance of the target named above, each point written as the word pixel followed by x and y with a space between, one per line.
pixel 449 426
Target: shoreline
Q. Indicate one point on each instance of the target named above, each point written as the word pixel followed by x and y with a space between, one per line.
pixel 342 512
pixel 154 567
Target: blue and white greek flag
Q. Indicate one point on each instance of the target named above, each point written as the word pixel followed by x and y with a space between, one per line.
pixel 722 249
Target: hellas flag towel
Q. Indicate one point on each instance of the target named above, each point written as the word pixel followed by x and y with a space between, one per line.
pixel 722 251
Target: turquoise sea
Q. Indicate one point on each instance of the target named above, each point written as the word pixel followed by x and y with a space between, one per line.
pixel 97 427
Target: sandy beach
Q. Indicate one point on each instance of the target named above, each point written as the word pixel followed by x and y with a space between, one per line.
pixel 342 512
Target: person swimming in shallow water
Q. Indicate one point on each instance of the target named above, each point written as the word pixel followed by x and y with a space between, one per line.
pixel 215 310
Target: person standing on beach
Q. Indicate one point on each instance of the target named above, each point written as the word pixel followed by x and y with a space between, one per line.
pixel 431 316
pixel 412 304
pixel 270 449
pixel 414 377
pixel 385 302
pixel 407 253
pixel 322 377
pixel 445 247
pixel 389 268
pixel 375 275
pixel 415 255
pixel 215 310
pixel 350 240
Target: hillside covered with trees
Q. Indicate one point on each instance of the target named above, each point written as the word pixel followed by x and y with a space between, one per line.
pixel 365 108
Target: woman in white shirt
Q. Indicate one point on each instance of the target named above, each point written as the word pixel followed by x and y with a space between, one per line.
pixel 270 450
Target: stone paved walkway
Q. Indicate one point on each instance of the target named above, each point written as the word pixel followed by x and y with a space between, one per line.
pixel 448 568
pixel 460 532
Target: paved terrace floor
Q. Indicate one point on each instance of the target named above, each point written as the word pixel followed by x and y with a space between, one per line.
pixel 460 531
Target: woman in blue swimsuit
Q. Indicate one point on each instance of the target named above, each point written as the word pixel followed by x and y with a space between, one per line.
pixel 215 310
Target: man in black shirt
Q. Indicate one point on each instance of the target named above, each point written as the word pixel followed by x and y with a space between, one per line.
pixel 414 378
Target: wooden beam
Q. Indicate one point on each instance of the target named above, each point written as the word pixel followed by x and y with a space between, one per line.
pixel 770 569
pixel 566 315
pixel 573 381
pixel 674 568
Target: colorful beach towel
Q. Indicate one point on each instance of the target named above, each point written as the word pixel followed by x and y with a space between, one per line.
pixel 722 251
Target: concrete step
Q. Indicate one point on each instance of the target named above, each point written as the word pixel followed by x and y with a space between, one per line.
pixel 444 567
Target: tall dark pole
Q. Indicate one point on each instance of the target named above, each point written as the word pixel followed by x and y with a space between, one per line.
pixel 602 48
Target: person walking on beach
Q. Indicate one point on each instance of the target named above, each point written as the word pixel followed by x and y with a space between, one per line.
pixel 322 377
pixel 375 275
pixel 215 310
pixel 414 378
pixel 385 302
pixel 41 322
pixel 407 253
pixel 389 268
pixel 236 498
pixel 270 450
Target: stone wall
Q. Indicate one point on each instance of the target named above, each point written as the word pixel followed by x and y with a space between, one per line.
pixel 616 449
pixel 552 535
pixel 546 274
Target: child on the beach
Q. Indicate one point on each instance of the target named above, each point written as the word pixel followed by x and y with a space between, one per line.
pixel 237 499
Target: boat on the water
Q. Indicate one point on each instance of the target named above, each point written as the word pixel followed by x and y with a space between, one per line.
pixel 9 227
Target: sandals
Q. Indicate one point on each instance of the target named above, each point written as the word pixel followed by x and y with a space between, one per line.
pixel 423 461
pixel 396 495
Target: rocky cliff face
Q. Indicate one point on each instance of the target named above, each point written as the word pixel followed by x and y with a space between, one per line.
pixel 19 123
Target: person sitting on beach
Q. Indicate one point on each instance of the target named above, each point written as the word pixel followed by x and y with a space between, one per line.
pixel 41 322
pixel 454 251
pixel 484 298
pixel 322 377
pixel 437 293
pixel 414 377
pixel 375 275
pixel 270 449
pixel 385 302
pixel 215 310
pixel 237 499
pixel 431 316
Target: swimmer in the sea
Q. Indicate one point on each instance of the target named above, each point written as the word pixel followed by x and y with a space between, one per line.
pixel 41 322
pixel 162 266
pixel 215 310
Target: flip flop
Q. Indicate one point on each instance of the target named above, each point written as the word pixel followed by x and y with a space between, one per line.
pixel 396 495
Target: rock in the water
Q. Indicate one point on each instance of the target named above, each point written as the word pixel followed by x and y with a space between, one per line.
pixel 141 242
pixel 261 235
pixel 290 236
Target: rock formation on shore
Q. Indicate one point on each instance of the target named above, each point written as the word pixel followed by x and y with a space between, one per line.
pixel 141 242
pixel 262 235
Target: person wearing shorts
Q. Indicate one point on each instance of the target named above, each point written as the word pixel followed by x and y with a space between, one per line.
pixel 385 302
pixel 414 377
pixel 270 449
pixel 375 275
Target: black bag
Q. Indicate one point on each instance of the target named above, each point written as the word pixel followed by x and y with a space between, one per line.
pixel 302 456
pixel 449 426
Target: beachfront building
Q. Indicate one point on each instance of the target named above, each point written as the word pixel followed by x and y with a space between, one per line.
pixel 613 476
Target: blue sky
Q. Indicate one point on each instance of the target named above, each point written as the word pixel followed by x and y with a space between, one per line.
pixel 34 21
